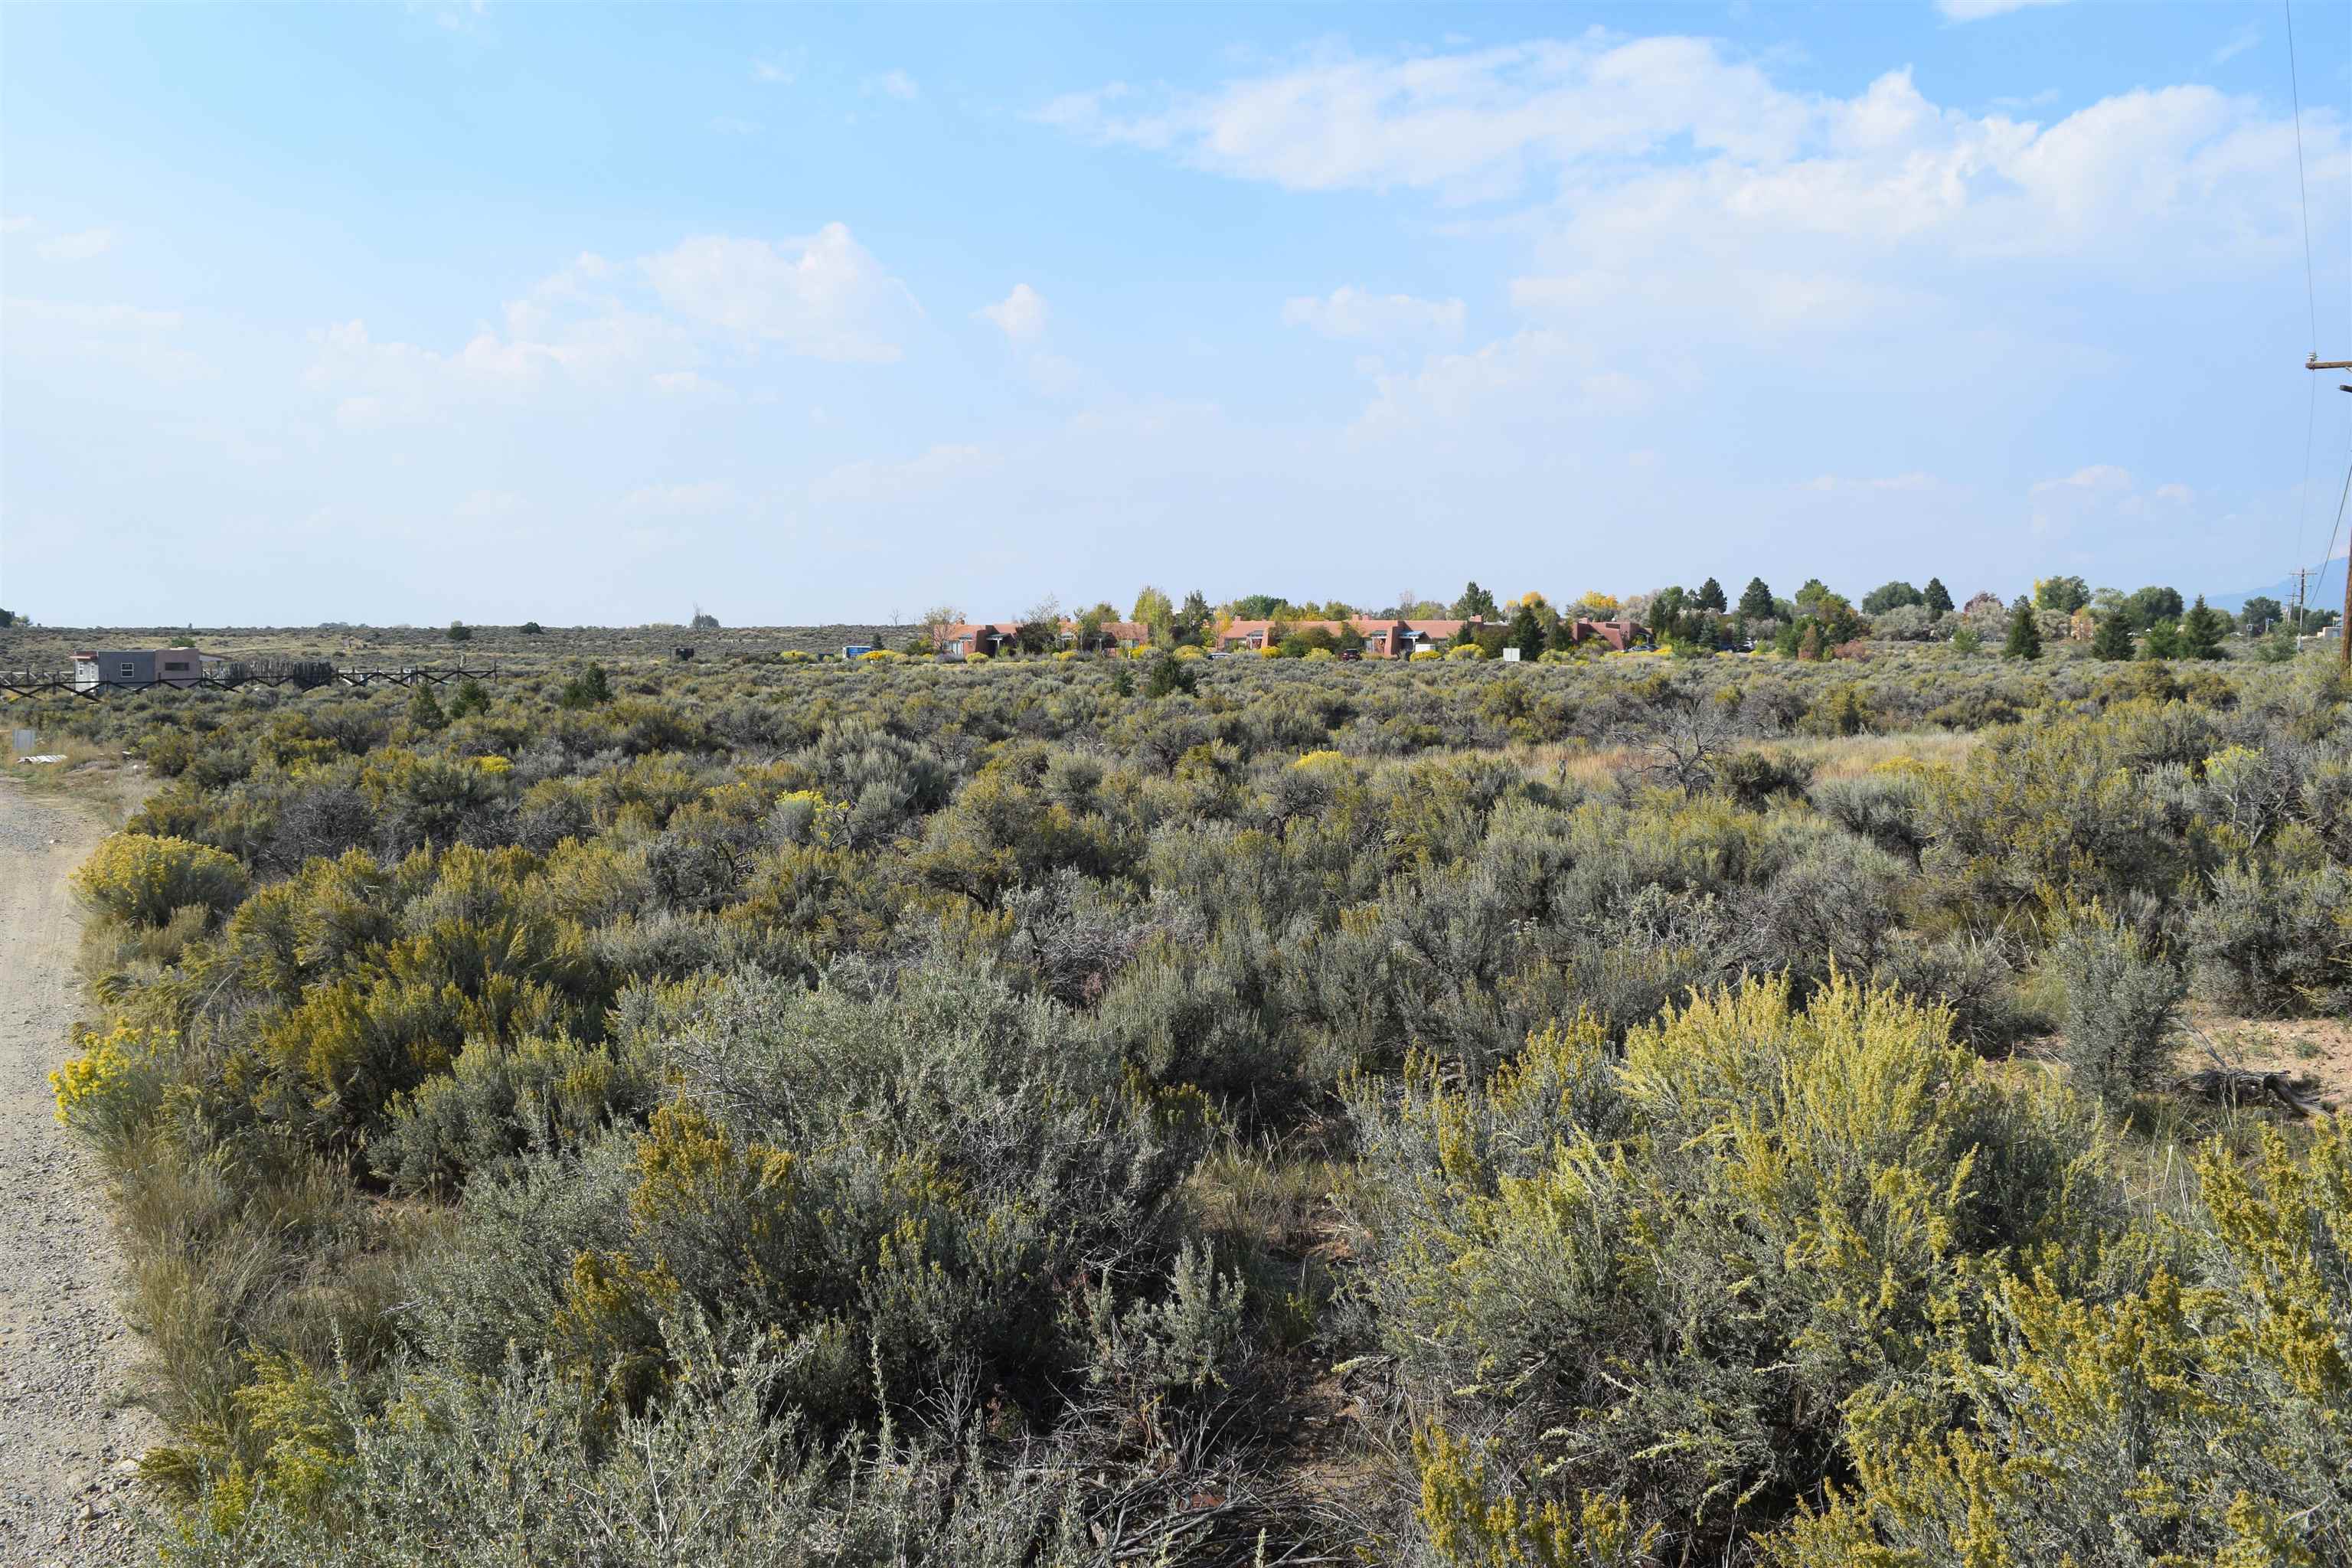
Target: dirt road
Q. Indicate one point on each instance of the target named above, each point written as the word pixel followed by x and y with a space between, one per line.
pixel 67 1359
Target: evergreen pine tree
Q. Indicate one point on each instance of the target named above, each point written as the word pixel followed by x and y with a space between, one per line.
pixel 2201 630
pixel 1710 597
pixel 1474 602
pixel 2113 640
pixel 2163 640
pixel 2024 631
pixel 1528 633
pixel 425 710
pixel 1756 601
pixel 1936 597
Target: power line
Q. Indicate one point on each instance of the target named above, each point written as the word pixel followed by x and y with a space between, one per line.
pixel 2302 495
pixel 2301 184
pixel 2341 497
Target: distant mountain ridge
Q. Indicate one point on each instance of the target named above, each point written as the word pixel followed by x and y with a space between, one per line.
pixel 2325 590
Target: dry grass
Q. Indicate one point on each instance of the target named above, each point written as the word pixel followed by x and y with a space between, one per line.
pixel 1833 757
pixel 97 775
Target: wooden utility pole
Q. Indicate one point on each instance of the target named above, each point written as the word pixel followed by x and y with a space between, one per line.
pixel 2344 627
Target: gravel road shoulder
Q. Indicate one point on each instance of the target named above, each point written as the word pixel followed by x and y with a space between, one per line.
pixel 68 1364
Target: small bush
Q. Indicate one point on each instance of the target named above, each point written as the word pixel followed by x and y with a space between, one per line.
pixel 117 1082
pixel 140 879
pixel 2120 1003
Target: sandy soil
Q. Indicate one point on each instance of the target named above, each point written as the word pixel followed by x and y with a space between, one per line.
pixel 68 1430
pixel 2317 1051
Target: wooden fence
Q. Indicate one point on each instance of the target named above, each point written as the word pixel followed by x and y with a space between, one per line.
pixel 305 674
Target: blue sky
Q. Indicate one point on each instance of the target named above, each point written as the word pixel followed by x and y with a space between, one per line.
pixel 592 315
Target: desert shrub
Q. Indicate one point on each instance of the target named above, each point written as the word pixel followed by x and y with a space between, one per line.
pixel 500 1100
pixel 2062 804
pixel 116 1083
pixel 1754 778
pixel 471 1472
pixel 1163 1371
pixel 887 1180
pixel 1831 907
pixel 1885 807
pixel 2120 1004
pixel 1974 977
pixel 2198 1414
pixel 1661 1280
pixel 2273 941
pixel 874 1015
pixel 140 879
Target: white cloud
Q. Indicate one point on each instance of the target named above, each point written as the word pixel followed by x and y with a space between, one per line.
pixel 1669 145
pixel 729 125
pixel 597 323
pixel 467 19
pixel 14 225
pixel 1976 10
pixel 895 84
pixel 824 296
pixel 1350 312
pixel 1504 391
pixel 2101 501
pixel 2244 38
pixel 1468 124
pixel 1020 315
pixel 81 247
pixel 781 71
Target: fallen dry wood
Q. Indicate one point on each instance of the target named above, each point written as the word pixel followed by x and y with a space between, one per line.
pixel 2237 1086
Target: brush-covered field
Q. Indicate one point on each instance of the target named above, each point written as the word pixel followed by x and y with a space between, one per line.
pixel 1637 1112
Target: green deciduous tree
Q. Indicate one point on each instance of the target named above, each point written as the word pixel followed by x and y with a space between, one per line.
pixel 1040 627
pixel 2152 605
pixel 1155 610
pixel 2065 594
pixel 1890 595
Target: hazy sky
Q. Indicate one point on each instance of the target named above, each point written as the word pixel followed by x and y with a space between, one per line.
pixel 334 312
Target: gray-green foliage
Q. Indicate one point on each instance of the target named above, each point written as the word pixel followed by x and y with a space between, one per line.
pixel 451 1472
pixel 2121 1004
